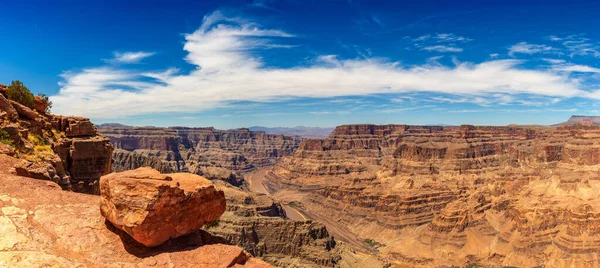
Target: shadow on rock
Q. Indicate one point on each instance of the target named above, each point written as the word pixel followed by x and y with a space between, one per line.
pixel 182 243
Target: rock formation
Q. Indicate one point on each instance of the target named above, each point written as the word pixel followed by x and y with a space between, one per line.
pixel 180 149
pixel 431 195
pixel 66 150
pixel 581 119
pixel 304 132
pixel 252 221
pixel 152 207
pixel 44 226
pixel 259 225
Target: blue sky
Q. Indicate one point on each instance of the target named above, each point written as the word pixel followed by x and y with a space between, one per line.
pixel 234 64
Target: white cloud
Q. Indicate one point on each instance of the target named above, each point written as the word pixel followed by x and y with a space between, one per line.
pixel 224 50
pixel 555 38
pixel 564 66
pixel 526 48
pixel 442 38
pixel 578 45
pixel 440 48
pixel 130 57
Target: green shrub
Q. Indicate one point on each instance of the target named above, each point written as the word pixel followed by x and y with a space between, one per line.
pixel 212 224
pixel 20 93
pixel 373 243
pixel 5 138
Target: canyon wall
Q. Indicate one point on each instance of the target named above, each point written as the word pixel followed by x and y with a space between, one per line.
pixel 431 195
pixel 64 149
pixel 252 221
pixel 181 149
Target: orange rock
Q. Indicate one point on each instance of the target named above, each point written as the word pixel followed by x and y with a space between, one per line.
pixel 40 104
pixel 37 218
pixel 152 207
pixel 8 108
pixel 3 89
pixel 24 111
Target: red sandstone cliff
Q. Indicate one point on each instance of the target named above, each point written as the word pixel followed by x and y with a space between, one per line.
pixel 66 150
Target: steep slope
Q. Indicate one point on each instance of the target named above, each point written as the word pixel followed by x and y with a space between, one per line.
pixel 180 149
pixel 431 195
pixel 66 150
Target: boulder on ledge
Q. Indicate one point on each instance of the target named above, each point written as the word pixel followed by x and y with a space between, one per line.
pixel 152 207
pixel 40 104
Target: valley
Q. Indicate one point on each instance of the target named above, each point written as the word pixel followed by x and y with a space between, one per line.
pixel 376 195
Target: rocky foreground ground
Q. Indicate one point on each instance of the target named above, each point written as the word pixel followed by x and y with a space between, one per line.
pixel 44 226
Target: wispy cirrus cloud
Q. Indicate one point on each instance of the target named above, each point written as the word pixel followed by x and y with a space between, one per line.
pixel 526 48
pixel 130 57
pixel 440 42
pixel 564 66
pixel 441 48
pixel 226 51
pixel 577 45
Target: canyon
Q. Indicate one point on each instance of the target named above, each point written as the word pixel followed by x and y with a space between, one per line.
pixel 428 196
pixel 253 220
pixel 365 196
pixel 204 151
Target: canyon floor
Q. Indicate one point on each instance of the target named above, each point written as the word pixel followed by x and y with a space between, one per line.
pixel 288 199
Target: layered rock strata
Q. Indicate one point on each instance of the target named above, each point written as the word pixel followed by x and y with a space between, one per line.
pixel 430 196
pixel 259 225
pixel 66 150
pixel 180 149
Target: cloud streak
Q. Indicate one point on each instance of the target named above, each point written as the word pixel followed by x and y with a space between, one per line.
pixel 130 57
pixel 526 48
pixel 224 50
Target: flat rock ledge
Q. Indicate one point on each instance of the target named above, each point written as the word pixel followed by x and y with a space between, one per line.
pixel 153 207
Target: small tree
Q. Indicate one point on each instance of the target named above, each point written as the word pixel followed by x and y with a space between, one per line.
pixel 20 93
pixel 5 137
pixel 45 97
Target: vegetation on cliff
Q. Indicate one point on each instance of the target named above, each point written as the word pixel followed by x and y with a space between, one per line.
pixel 18 92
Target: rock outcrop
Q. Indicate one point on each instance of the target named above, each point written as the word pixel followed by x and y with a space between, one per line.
pixel 581 119
pixel 181 149
pixel 432 196
pixel 40 104
pixel 152 207
pixel 44 226
pixel 259 225
pixel 66 150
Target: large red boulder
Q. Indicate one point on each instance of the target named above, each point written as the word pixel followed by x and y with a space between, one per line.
pixel 152 207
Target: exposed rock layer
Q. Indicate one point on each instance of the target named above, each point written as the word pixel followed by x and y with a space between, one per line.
pixel 582 119
pixel 66 150
pixel 429 195
pixel 259 225
pixel 181 149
